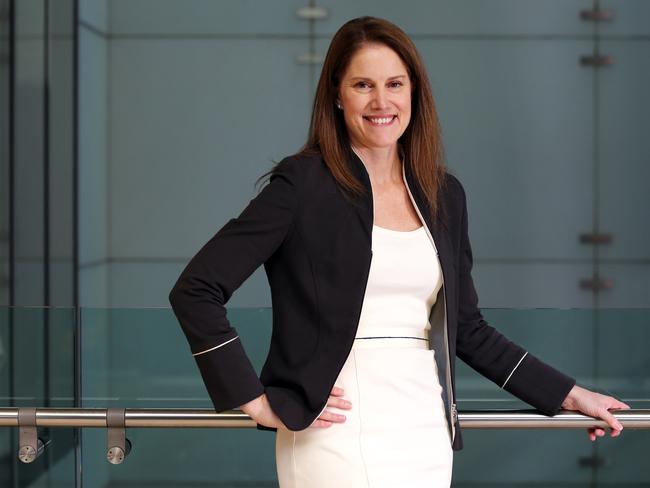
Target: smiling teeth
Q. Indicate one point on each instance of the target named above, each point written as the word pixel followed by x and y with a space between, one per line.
pixel 384 120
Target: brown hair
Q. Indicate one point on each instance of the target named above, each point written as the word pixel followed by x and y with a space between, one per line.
pixel 421 143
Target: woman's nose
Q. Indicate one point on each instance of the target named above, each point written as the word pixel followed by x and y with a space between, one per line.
pixel 380 100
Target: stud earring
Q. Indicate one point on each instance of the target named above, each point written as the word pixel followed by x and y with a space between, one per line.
pixel 338 104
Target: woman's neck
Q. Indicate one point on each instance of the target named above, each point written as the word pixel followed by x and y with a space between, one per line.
pixel 382 164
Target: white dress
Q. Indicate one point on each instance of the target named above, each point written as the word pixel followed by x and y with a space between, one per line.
pixel 396 432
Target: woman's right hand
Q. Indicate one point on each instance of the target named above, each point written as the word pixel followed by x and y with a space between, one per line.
pixel 259 409
pixel 326 419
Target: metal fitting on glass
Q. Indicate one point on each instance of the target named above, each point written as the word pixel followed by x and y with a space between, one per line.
pixel 311 13
pixel 31 446
pixel 119 446
pixel 597 15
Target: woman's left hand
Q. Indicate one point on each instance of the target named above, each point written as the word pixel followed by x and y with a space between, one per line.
pixel 595 405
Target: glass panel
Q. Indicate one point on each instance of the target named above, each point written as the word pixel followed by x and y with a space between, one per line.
pixel 605 351
pixel 42 179
pixel 630 18
pixel 7 436
pixel 624 149
pixel 41 359
pixel 213 95
pixel 37 356
pixel 140 358
pixel 5 74
pixel 201 18
pixel 465 17
pixel 28 182
pixel 61 196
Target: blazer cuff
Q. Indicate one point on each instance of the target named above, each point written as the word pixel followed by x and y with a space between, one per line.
pixel 229 376
pixel 539 385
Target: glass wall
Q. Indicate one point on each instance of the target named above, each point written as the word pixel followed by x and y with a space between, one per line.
pixel 40 175
pixel 38 228
pixel 5 97
pixel 183 107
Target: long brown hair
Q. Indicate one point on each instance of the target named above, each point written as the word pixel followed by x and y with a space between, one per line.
pixel 420 144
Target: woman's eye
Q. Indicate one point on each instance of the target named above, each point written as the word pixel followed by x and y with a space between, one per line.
pixel 362 84
pixel 395 84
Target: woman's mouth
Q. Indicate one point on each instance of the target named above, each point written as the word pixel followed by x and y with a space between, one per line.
pixel 380 121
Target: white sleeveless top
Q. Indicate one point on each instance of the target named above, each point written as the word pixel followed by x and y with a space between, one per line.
pixel 405 277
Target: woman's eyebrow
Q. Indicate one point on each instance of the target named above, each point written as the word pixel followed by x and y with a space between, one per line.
pixel 390 78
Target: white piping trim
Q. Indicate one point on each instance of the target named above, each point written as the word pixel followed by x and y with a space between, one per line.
pixel 522 358
pixel 215 347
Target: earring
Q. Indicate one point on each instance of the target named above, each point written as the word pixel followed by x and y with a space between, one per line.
pixel 338 104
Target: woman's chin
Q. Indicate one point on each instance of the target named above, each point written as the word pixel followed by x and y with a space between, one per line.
pixel 378 142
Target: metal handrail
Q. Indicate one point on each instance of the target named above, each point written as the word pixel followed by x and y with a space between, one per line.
pixel 207 418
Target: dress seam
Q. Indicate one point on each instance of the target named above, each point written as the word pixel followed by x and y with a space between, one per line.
pixel 293 458
pixel 356 375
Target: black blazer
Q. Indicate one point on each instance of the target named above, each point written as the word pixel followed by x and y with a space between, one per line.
pixel 316 249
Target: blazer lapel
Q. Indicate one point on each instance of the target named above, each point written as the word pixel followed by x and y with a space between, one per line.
pixel 438 231
pixel 364 206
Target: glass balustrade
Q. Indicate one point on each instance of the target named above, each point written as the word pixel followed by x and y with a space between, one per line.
pixel 139 359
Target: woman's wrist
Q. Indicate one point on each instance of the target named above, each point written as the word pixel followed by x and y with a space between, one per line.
pixel 569 401
pixel 252 407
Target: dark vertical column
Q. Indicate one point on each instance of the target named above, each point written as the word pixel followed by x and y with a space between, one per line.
pixel 594 226
pixel 46 214
pixel 78 438
pixel 10 237
pixel 46 197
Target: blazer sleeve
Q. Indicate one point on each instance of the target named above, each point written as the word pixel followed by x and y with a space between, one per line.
pixel 492 354
pixel 208 281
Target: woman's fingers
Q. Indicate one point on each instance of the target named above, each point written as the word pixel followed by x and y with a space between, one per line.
pixel 327 418
pixel 320 424
pixel 335 401
pixel 595 432
pixel 615 426
pixel 339 402
pixel 597 405
pixel 617 404
pixel 332 416
pixel 592 433
pixel 611 420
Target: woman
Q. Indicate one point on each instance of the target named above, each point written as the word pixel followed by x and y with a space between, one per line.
pixel 363 235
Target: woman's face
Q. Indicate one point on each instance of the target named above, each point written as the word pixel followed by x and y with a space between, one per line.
pixel 375 96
